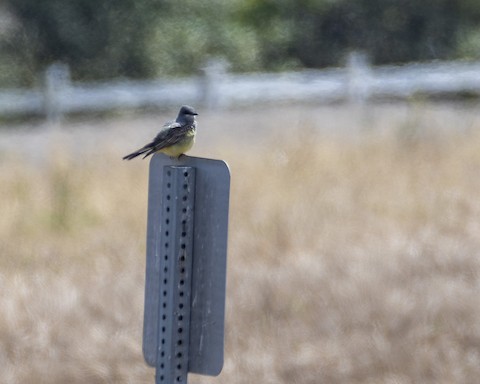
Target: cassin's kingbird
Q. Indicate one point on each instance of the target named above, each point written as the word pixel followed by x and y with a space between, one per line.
pixel 175 137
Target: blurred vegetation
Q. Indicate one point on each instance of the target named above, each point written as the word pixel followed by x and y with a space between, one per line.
pixel 147 38
pixel 353 253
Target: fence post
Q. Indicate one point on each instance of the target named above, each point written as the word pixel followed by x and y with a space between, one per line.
pixel 56 82
pixel 359 77
pixel 213 74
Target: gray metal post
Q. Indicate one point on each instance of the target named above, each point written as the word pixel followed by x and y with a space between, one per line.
pixel 184 317
pixel 175 274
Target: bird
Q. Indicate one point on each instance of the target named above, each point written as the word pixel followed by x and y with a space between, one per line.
pixel 175 137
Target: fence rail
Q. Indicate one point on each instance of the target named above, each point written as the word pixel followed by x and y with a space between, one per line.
pixel 216 88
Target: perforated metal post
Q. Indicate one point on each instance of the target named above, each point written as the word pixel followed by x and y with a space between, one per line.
pixel 184 317
pixel 178 197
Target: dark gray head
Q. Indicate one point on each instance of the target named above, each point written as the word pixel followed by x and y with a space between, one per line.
pixel 186 115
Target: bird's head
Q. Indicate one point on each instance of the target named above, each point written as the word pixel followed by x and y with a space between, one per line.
pixel 187 110
pixel 187 114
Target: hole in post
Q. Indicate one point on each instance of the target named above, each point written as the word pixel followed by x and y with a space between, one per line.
pixel 168 197
pixel 182 282
pixel 185 186
pixel 179 342
pixel 180 305
pixel 169 185
pixel 185 173
pixel 169 173
pixel 180 317
pixel 180 330
pixel 185 198
pixel 184 210
pixel 168 209
pixel 179 378
pixel 183 246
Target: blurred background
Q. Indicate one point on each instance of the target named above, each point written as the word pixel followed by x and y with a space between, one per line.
pixel 353 137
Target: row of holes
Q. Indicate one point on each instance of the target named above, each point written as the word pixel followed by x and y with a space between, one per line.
pixel 180 316
pixel 165 281
pixel 181 299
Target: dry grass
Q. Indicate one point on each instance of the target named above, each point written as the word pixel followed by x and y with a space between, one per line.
pixel 350 260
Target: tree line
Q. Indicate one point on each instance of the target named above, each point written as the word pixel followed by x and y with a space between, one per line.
pixel 102 39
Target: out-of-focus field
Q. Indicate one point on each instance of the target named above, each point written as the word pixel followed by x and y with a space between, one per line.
pixel 354 247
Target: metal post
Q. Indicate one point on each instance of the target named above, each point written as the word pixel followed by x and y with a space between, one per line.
pixel 184 317
pixel 178 195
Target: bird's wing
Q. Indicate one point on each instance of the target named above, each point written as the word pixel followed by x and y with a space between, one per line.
pixel 164 131
pixel 170 134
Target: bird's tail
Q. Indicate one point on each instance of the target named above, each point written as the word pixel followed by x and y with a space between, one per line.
pixel 132 155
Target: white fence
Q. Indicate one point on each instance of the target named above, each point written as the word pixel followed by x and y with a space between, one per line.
pixel 217 88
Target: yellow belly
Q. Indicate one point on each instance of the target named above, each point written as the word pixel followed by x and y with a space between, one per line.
pixel 181 147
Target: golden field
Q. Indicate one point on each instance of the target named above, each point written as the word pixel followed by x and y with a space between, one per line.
pixel 354 246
